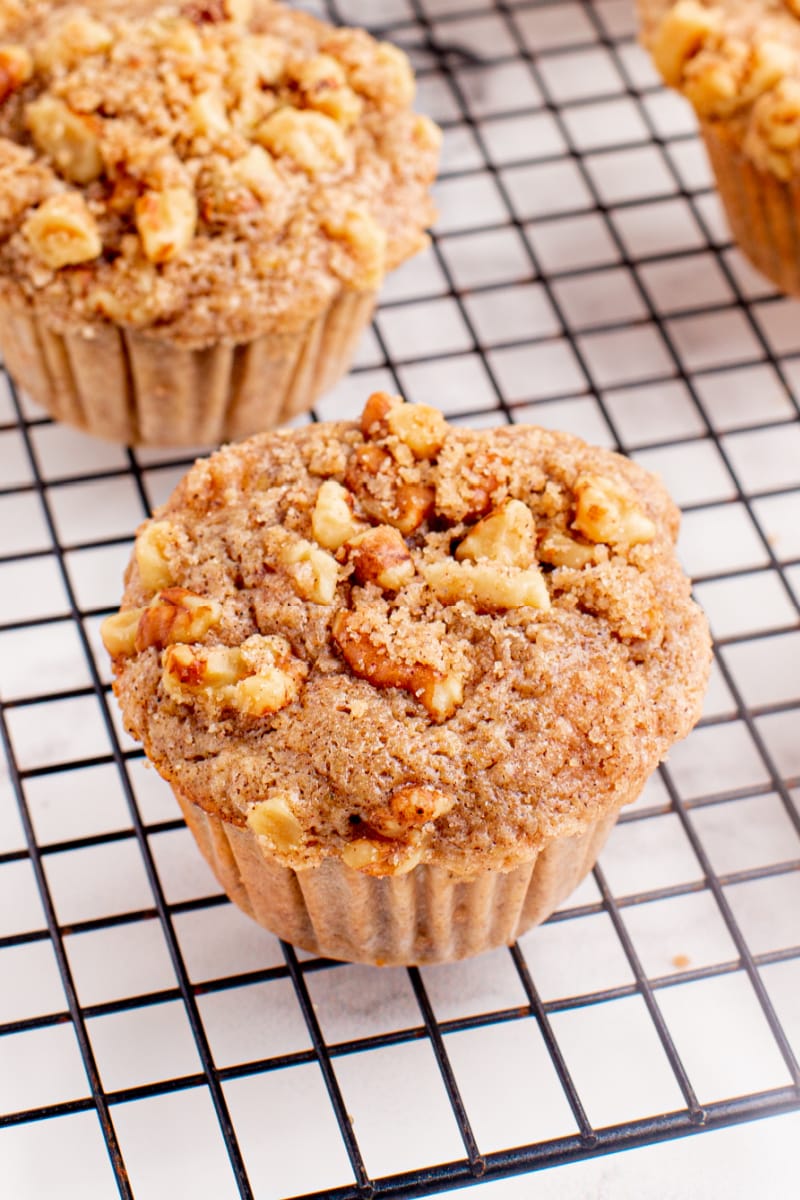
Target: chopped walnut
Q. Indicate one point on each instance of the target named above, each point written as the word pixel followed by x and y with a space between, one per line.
pixel 562 551
pixel 682 33
pixel 505 536
pixel 154 569
pixel 176 615
pixel 274 820
pixel 311 140
pixel 488 585
pixel 314 572
pixel 380 555
pixel 322 84
pixel 422 428
pixel 605 512
pixel 69 138
pixel 372 475
pixel 409 808
pixel 379 71
pixel 256 679
pixel 362 243
pixel 379 858
pixel 166 222
pixel 332 519
pixel 255 170
pixel 74 38
pixel 441 694
pixel 376 410
pixel 16 68
pixel 62 232
pixel 208 115
pixel 118 632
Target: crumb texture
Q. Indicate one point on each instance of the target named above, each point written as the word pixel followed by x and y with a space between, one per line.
pixel 202 171
pixel 397 642
pixel 738 62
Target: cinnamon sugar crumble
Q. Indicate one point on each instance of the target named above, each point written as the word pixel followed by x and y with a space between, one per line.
pixel 497 668
pixel 237 163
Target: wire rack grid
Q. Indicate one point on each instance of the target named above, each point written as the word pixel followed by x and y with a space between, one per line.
pixel 151 1038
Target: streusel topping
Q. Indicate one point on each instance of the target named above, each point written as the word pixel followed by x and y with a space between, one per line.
pixel 204 170
pixel 400 642
pixel 738 62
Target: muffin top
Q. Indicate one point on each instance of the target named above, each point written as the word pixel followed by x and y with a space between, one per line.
pixel 206 170
pixel 738 62
pixel 400 642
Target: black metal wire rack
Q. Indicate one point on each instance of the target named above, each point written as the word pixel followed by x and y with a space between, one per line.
pixel 580 276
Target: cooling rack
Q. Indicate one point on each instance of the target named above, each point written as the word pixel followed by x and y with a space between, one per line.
pixel 154 1042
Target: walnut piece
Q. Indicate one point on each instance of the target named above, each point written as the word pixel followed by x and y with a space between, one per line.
pixel 314 572
pixel 255 170
pixel 605 512
pixel 505 536
pixel 378 858
pixel 422 428
pixel 176 615
pixel 409 808
pixel 274 820
pixel 372 475
pixel 62 232
pixel 332 519
pixel 362 245
pixel 314 142
pixel 488 585
pixel 681 35
pixel 118 632
pixel 376 410
pixel 166 222
pixel 440 694
pixel 562 551
pixel 256 679
pixel 75 37
pixel 16 68
pixel 155 572
pixel 380 555
pixel 322 84
pixel 208 115
pixel 69 138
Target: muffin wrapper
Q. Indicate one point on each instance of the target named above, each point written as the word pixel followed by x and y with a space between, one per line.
pixel 134 388
pixel 762 211
pixel 426 916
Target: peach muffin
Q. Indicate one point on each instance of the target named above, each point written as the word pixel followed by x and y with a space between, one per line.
pixel 198 203
pixel 402 676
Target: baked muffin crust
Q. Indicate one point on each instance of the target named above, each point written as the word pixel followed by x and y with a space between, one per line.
pixel 203 171
pixel 738 62
pixel 397 641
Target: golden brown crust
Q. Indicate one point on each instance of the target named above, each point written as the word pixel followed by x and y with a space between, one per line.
pixel 539 696
pixel 222 170
pixel 738 62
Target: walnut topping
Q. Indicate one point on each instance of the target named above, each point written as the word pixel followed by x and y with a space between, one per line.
pixel 166 222
pixel 562 551
pixel 313 141
pixel 256 679
pixel 376 410
pixel 378 857
pixel 372 475
pixel 154 569
pixel 322 84
pixel 361 245
pixel 681 35
pixel 118 632
pixel 314 572
pixel 409 808
pixel 488 585
pixel 332 519
pixel 69 138
pixel 208 115
pixel 605 512
pixel 505 536
pixel 16 68
pixel 422 428
pixel 380 555
pixel 62 232
pixel 440 693
pixel 176 615
pixel 255 170
pixel 274 820
pixel 77 36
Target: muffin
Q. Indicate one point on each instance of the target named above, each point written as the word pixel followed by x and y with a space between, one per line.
pixel 738 63
pixel 198 203
pixel 402 676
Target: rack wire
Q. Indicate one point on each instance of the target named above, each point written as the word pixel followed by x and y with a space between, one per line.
pixel 580 276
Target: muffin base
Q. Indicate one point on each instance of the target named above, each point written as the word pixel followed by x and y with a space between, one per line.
pixel 762 211
pixel 130 387
pixel 426 916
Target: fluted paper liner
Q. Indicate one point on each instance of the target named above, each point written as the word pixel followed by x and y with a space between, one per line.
pixel 134 388
pixel 426 916
pixel 763 212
